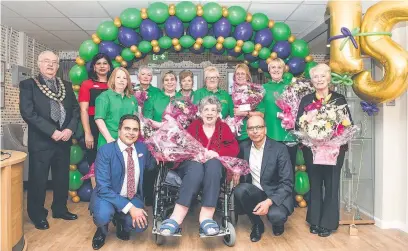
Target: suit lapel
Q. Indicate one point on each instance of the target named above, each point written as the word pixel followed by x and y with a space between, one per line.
pixel 141 160
pixel 247 151
pixel 265 156
pixel 120 156
pixel 46 100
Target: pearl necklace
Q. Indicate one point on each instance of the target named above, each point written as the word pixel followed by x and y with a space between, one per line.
pixel 59 97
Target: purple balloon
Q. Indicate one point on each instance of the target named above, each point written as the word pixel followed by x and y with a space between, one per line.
pixel 110 49
pixel 217 52
pixel 231 52
pixel 222 28
pixel 128 37
pixel 174 27
pixel 250 58
pixel 85 191
pixel 199 51
pixel 198 27
pixel 296 65
pixel 264 37
pixel 83 166
pixel 88 66
pixel 243 31
pixel 263 65
pixel 149 30
pixel 282 48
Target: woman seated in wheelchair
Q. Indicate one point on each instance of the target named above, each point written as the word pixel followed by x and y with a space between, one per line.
pixel 218 139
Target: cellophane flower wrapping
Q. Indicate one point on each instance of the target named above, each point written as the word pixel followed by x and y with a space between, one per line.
pixel 91 172
pixel 289 101
pixel 324 127
pixel 172 143
pixel 245 98
pixel 140 95
pixel 182 110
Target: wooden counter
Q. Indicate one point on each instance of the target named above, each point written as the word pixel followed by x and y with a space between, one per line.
pixel 11 201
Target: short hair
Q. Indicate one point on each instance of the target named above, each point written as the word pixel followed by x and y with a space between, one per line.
pixel 45 52
pixel 209 100
pixel 209 69
pixel 246 69
pixel 92 73
pixel 277 60
pixel 144 67
pixel 186 73
pixel 170 72
pixel 128 116
pixel 320 67
pixel 111 81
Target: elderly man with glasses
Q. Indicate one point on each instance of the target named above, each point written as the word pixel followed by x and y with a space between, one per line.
pixel 267 189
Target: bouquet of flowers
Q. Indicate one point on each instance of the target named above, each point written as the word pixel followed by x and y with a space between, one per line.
pixel 172 143
pixel 245 98
pixel 324 127
pixel 182 110
pixel 289 102
pixel 140 95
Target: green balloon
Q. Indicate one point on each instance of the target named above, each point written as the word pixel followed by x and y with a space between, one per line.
pixel 302 184
pixel 299 158
pixel 236 15
pixel 127 54
pixel 165 42
pixel 309 65
pixel 158 12
pixel 287 78
pixel 264 53
pixel 259 21
pixel 248 47
pixel 230 42
pixel 255 64
pixel 212 12
pixel 75 181
pixel 76 154
pixel 145 47
pixel 88 50
pixel 186 41
pixel 131 18
pixel 107 31
pixel 78 74
pixel 186 11
pixel 299 48
pixel 209 42
pixel 281 31
pixel 115 64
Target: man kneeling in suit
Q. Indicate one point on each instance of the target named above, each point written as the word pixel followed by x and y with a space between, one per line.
pixel 118 194
pixel 267 190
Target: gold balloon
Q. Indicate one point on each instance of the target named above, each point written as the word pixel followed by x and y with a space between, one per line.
pixel 220 40
pixel 175 41
pixel 286 68
pixel 291 39
pixel 197 46
pixel 119 59
pixel 172 11
pixel 302 168
pixel 271 23
pixel 199 41
pixel 143 15
pixel 246 62
pixel 269 60
pixel 156 48
pixel 154 43
pixel 138 54
pixel 74 141
pixel 123 64
pixel 199 6
pixel 143 10
pixel 309 58
pixel 382 17
pixel 237 49
pixel 345 14
pixel 240 43
pixel 133 48
pixel 75 199
pixel 299 198
pixel 172 5
pixel 117 22
pixel 96 40
pixel 225 13
pixel 94 35
pixel 249 17
pixel 218 46
pixel 258 47
pixel 177 47
pixel 303 204
pixel 255 53
pixel 76 87
pixel 79 61
pixel 72 193
pixel 200 12
pixel 273 55
pixel 72 167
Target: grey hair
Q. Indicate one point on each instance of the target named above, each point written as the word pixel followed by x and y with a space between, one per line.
pixel 320 67
pixel 145 67
pixel 209 100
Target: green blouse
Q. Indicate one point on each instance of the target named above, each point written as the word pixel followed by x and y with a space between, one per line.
pixel 155 105
pixel 227 106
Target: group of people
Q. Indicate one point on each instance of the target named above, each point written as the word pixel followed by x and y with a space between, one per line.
pixel 125 170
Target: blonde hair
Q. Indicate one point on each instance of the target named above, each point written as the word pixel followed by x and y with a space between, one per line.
pixel 320 67
pixel 276 60
pixel 209 69
pixel 111 82
pixel 246 70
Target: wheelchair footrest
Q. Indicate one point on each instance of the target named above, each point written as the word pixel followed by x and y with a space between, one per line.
pixel 157 231
pixel 223 232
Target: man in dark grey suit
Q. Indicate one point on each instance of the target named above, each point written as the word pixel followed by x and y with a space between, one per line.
pixel 267 190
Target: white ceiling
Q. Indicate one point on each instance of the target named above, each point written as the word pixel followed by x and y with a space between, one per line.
pixel 64 25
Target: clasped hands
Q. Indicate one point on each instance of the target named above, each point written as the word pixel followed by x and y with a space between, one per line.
pixel 63 135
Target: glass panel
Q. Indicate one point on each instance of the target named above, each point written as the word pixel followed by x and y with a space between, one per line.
pixel 361 119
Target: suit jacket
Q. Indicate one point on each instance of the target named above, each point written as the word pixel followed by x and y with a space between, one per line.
pixel 35 109
pixel 110 173
pixel 276 172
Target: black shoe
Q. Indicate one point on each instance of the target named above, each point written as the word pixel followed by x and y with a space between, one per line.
pixel 278 230
pixel 65 216
pixel 257 231
pixel 99 239
pixel 324 232
pixel 120 231
pixel 42 224
pixel 314 229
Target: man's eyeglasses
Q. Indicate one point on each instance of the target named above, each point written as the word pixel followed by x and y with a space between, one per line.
pixel 254 128
pixel 49 62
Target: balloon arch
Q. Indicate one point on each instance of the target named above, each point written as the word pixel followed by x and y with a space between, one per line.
pixel 253 38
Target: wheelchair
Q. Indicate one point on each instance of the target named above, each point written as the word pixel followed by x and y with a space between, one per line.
pixel 166 188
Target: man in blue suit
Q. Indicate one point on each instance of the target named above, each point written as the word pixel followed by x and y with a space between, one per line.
pixel 118 194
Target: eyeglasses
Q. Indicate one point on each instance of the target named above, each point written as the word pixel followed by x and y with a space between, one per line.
pixel 240 74
pixel 212 78
pixel 49 62
pixel 254 128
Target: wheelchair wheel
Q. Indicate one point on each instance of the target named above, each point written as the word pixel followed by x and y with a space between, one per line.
pixel 230 239
pixel 233 215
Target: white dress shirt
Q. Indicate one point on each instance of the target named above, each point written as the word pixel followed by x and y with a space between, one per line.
pixel 123 192
pixel 255 164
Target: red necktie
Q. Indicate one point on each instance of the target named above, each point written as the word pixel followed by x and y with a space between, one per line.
pixel 130 174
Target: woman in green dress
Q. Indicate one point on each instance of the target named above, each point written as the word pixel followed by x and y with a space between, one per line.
pixel 112 104
pixel 212 80
pixel 186 78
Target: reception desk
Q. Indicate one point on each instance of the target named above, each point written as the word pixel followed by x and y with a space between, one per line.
pixel 11 199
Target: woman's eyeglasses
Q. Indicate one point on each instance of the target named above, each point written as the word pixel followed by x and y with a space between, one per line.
pixel 212 78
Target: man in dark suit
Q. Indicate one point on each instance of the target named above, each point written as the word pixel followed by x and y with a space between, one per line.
pixel 49 107
pixel 267 190
pixel 119 169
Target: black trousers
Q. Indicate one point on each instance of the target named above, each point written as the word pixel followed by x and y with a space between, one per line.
pixel 39 166
pixel 247 196
pixel 91 153
pixel 322 210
